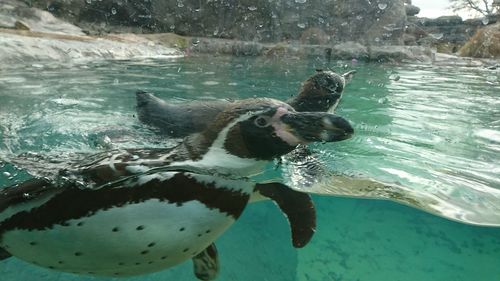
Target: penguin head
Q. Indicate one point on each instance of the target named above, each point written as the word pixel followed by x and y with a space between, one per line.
pixel 263 129
pixel 321 92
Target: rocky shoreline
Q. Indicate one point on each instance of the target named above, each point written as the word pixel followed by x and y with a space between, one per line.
pixel 29 34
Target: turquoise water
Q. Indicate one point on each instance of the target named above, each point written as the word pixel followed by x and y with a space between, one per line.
pixel 432 133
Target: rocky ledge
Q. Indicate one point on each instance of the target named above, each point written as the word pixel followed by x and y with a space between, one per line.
pixel 29 34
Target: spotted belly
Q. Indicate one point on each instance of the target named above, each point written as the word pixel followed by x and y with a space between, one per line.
pixel 144 234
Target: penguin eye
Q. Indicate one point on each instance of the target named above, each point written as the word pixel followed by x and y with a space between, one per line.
pixel 262 121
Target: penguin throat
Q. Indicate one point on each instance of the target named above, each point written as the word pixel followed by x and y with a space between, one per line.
pixel 218 160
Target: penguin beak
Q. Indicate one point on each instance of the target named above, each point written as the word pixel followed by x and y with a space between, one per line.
pixel 348 76
pixel 317 126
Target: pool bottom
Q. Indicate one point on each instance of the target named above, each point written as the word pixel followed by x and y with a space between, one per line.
pixel 356 239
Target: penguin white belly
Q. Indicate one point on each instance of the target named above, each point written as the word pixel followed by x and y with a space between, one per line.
pixel 120 241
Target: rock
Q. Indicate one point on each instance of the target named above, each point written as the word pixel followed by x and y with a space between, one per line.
pixel 314 36
pixel 19 46
pixel 20 25
pixel 369 22
pixel 400 53
pixel 411 10
pixel 446 34
pixel 484 44
pixel 444 21
pixel 16 14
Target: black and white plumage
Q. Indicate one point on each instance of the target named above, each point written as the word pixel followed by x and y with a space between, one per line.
pixel 129 212
pixel 321 92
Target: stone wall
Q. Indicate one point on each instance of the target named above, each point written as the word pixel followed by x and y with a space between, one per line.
pixel 447 34
pixel 308 21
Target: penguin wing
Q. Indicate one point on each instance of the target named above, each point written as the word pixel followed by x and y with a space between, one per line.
pixel 206 263
pixel 4 254
pixel 22 197
pixel 298 207
pixel 25 195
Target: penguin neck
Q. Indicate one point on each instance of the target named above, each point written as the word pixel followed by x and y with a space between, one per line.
pixel 201 154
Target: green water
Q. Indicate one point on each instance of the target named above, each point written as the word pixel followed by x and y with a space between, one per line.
pixel 433 130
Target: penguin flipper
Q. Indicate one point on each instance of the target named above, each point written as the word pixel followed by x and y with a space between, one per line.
pixel 298 207
pixel 33 189
pixel 206 264
pixel 4 254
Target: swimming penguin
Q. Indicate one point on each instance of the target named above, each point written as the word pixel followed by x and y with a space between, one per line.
pixel 320 92
pixel 134 211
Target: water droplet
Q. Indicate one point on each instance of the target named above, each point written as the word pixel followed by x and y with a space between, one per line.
pixel 382 6
pixel 436 36
pixel 382 100
pixel 300 1
pixel 394 77
pixel 491 79
pixel 485 20
pixel 210 83
pixel 7 174
pixel 252 8
pixel 301 25
pixel 113 11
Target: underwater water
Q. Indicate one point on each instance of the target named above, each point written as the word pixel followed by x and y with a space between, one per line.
pixel 432 133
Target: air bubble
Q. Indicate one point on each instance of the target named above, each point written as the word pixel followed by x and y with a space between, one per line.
pixel 113 11
pixel 300 1
pixel 485 20
pixel 6 174
pixel 382 100
pixel 252 8
pixel 301 25
pixel 88 1
pixel 394 77
pixel 180 4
